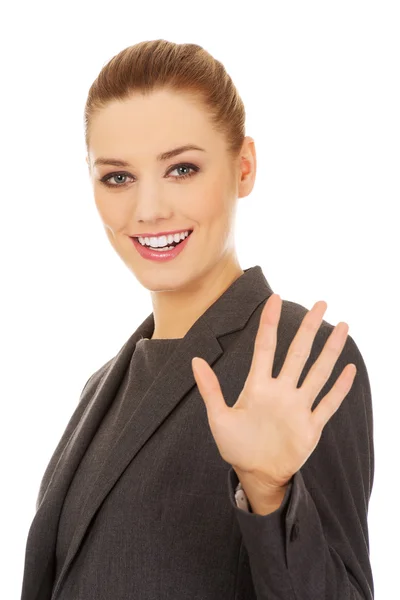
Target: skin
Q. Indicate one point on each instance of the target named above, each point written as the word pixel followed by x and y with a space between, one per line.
pixel 153 197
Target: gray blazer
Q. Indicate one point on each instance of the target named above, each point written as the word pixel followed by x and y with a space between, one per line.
pixel 314 547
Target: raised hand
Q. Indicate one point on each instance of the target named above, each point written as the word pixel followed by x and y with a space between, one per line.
pixel 271 430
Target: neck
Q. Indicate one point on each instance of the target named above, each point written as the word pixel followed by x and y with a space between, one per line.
pixel 176 311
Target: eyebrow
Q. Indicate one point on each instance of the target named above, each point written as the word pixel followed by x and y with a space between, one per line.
pixel 160 157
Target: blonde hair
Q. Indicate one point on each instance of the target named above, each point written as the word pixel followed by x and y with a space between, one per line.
pixel 160 64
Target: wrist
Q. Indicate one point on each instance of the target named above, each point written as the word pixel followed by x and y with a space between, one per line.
pixel 264 499
pixel 262 504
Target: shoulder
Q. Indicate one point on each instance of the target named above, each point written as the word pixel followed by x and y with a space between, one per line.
pixel 87 393
pixel 292 315
pixel 95 379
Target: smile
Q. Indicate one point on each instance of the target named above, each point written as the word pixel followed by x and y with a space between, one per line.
pixel 163 253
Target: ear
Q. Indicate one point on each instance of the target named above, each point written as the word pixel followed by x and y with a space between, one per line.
pixel 248 167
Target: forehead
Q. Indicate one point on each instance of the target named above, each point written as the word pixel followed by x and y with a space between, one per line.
pixel 152 123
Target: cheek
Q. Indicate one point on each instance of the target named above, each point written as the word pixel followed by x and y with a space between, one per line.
pixel 110 234
pixel 216 208
pixel 213 202
pixel 112 211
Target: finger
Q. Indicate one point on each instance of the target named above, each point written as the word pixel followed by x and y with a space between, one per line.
pixel 334 398
pixel 321 370
pixel 209 387
pixel 265 340
pixel 300 347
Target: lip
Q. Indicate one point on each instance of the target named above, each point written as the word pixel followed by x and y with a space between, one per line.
pixel 161 233
pixel 157 255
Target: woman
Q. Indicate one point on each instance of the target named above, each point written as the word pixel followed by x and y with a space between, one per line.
pixel 247 472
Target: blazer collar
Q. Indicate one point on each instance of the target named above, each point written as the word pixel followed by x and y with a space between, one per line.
pixel 229 313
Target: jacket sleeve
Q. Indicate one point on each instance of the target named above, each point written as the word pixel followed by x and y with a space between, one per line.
pixel 315 545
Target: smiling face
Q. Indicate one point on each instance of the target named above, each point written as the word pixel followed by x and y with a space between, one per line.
pixel 196 189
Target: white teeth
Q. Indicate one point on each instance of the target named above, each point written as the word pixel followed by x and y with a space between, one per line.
pixel 158 242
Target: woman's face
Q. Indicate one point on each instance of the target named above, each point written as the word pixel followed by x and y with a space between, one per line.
pixel 149 195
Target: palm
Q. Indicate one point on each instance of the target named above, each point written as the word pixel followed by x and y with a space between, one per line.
pixel 271 431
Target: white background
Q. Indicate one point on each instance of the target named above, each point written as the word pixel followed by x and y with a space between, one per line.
pixel 320 82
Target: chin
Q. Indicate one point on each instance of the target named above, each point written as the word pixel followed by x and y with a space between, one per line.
pixel 154 280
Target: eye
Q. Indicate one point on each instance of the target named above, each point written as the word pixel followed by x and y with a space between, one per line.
pixel 186 166
pixel 191 168
pixel 106 179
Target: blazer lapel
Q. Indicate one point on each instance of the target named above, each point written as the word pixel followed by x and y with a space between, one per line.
pixel 229 313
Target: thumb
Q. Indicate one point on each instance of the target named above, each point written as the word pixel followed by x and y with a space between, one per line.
pixel 209 387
